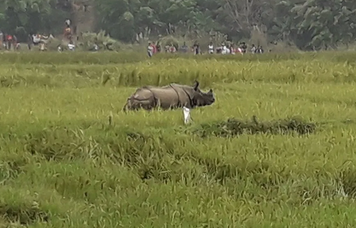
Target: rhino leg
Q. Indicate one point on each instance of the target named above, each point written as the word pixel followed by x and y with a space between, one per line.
pixel 135 104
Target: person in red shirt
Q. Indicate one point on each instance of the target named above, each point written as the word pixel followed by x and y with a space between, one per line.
pixel 172 49
pixel 9 40
pixel 154 48
pixel 9 37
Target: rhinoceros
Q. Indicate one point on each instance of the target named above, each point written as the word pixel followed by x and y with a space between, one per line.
pixel 172 96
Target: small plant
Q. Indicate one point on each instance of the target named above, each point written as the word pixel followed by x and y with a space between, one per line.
pixel 234 127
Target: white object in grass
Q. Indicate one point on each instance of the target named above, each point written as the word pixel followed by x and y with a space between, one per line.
pixel 186 113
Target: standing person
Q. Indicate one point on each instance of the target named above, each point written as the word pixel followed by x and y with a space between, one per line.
pixel 172 49
pixel 243 47
pixel 158 47
pixel 196 48
pixel 253 49
pixel 149 50
pixel 9 40
pixel 184 48
pixel 68 32
pixel 232 49
pixel 29 41
pixel 5 41
pixel 154 48
pixel 225 50
pixel 15 43
pixel 1 39
pixel 211 48
pixel 259 50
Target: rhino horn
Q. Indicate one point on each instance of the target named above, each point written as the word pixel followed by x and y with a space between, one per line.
pixel 196 85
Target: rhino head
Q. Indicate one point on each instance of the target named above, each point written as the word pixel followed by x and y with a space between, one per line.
pixel 200 98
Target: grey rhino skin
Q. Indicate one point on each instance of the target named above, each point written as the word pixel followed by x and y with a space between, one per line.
pixel 172 96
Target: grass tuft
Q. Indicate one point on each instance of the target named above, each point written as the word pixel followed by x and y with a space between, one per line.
pixel 234 127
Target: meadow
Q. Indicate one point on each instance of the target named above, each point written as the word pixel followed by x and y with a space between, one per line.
pixel 63 165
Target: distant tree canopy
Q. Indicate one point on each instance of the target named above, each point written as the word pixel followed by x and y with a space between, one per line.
pixel 311 24
pixel 28 16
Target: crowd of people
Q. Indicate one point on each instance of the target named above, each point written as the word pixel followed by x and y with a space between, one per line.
pixel 224 48
pixel 8 41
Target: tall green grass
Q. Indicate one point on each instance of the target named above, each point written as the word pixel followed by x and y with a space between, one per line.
pixel 162 72
pixel 63 165
pixel 133 57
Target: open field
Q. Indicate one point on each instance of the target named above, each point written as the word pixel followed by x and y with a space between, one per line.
pixel 62 165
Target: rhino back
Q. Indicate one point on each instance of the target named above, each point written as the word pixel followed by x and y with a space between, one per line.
pixel 143 93
pixel 167 97
pixel 184 93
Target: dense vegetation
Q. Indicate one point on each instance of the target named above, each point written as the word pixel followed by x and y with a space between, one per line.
pixel 63 165
pixel 308 24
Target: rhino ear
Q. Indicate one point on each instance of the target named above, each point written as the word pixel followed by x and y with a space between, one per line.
pixel 211 91
pixel 196 85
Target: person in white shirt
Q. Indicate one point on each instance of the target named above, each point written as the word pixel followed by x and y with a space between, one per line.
pixel 149 50
pixel 71 46
pixel 36 39
pixel 225 50
pixel 253 49
pixel 211 48
pixel 1 38
pixel 67 22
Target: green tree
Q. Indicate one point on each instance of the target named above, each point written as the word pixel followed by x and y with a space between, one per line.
pixel 309 24
pixel 21 17
pixel 316 24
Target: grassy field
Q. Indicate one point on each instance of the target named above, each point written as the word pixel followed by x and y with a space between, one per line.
pixel 63 165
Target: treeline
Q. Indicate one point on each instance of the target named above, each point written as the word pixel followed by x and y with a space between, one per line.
pixel 311 24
